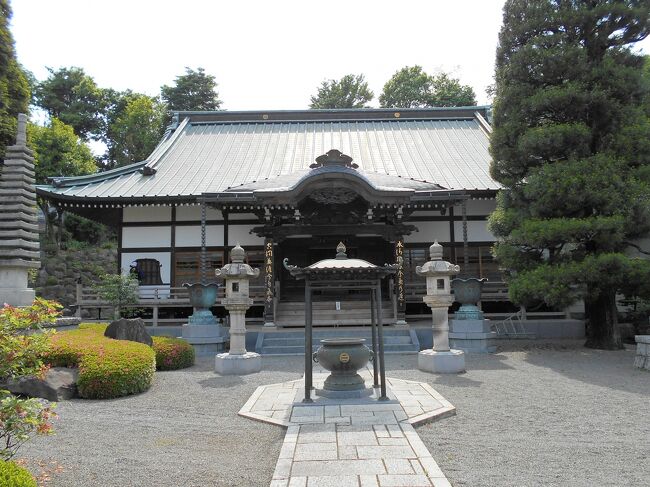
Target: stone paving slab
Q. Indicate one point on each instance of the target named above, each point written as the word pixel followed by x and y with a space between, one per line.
pixel 357 442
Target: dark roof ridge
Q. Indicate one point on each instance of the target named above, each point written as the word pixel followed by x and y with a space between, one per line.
pixel 352 114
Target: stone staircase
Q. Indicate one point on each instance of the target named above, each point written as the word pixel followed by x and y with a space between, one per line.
pixel 282 342
pixel 324 313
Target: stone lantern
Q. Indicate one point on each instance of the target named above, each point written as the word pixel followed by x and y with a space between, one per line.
pixel 237 275
pixel 441 359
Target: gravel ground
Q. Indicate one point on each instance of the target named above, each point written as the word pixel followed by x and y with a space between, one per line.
pixel 531 415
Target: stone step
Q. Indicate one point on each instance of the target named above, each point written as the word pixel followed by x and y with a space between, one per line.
pixel 274 342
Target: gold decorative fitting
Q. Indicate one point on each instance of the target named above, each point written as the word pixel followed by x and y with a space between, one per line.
pixel 265 117
pixel 397 114
pixel 344 358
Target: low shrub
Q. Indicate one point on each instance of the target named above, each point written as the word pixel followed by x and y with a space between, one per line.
pixel 107 368
pixel 172 353
pixel 12 475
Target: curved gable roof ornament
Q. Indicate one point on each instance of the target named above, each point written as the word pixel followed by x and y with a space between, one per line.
pixel 334 157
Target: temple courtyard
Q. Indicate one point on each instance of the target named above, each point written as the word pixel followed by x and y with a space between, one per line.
pixel 534 413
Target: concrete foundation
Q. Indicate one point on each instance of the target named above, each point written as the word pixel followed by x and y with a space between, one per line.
pixel 247 363
pixel 449 362
pixel 354 394
pixel 206 339
pixel 473 336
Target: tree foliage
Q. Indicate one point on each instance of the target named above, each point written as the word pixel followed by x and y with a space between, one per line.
pixel 119 290
pixel 194 90
pixel 412 87
pixel 59 152
pixel 134 129
pixel 351 91
pixel 570 145
pixel 73 97
pixel 14 87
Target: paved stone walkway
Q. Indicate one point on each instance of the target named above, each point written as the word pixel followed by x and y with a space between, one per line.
pixel 352 442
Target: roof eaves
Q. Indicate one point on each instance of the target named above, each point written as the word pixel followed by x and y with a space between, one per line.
pixel 67 181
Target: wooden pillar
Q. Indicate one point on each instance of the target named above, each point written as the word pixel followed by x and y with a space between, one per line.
pixel 399 282
pixel 269 281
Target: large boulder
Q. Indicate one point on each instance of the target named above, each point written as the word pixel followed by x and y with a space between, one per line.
pixel 59 383
pixel 129 329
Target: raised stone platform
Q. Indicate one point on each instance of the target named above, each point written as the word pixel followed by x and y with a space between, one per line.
pixel 446 362
pixel 352 442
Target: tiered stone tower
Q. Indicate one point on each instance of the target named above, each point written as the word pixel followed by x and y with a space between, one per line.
pixel 19 247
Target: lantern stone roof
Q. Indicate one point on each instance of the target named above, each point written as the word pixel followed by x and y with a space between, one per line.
pixel 214 152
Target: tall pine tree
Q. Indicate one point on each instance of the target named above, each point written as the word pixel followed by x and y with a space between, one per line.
pixel 570 145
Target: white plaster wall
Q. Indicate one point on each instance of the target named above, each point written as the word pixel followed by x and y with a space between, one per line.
pixel 476 232
pixel 163 257
pixel 147 214
pixel 242 216
pixel 193 213
pixel 146 237
pixel 477 207
pixel 190 236
pixel 239 234
pixel 428 232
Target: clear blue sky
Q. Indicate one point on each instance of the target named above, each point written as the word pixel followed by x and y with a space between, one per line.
pixel 265 54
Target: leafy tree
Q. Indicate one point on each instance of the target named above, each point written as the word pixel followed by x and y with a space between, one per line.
pixel 14 87
pixel 570 146
pixel 194 90
pixel 412 87
pixel 119 290
pixel 73 97
pixel 351 91
pixel 448 92
pixel 58 152
pixel 135 130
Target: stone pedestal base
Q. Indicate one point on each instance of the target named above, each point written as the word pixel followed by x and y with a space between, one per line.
pixel 354 394
pixel 248 363
pixel 474 336
pixel 451 362
pixel 13 287
pixel 642 359
pixel 207 340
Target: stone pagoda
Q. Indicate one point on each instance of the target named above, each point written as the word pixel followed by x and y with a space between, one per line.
pixel 19 246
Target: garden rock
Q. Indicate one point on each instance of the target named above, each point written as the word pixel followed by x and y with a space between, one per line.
pixel 59 383
pixel 129 329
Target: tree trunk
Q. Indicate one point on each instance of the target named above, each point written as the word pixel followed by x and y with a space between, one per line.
pixel 602 322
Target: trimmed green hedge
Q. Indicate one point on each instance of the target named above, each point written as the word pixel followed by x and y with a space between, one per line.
pixel 12 475
pixel 172 353
pixel 107 368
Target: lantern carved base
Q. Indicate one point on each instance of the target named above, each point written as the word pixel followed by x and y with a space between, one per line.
pixel 247 363
pixel 449 362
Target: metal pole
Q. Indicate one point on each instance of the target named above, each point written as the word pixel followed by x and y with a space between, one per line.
pixel 308 345
pixel 373 331
pixel 380 329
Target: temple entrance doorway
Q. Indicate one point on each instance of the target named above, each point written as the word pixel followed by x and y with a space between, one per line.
pixel 304 251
